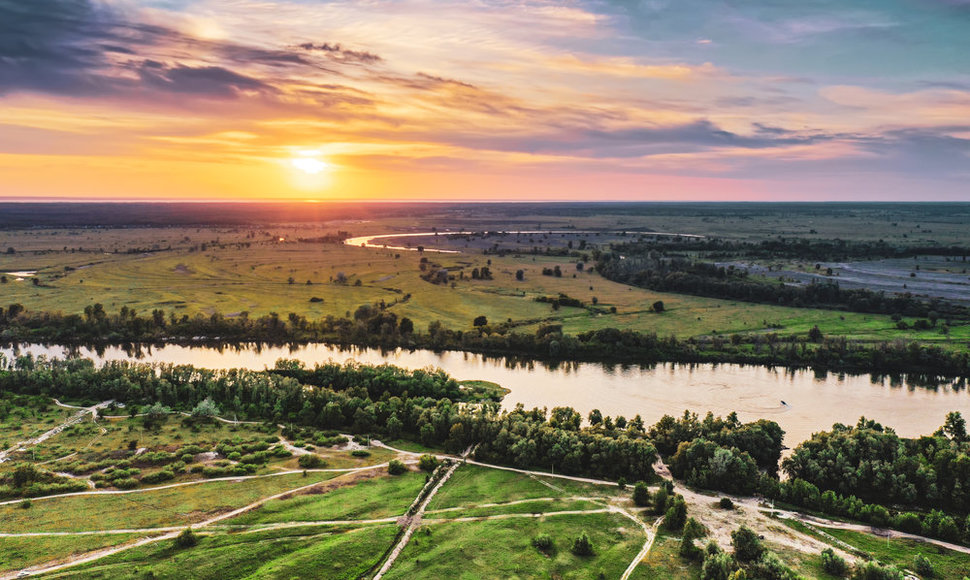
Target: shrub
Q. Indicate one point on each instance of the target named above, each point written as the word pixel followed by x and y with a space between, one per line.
pixel 676 515
pixel 874 571
pixel 833 564
pixel 125 483
pixel 641 494
pixel 726 503
pixel 717 566
pixel 186 539
pixel 427 463
pixel 543 543
pixel 582 546
pixel 923 566
pixel 25 504
pixel 157 477
pixel 360 453
pixel 310 461
pixel 747 545
pixel 395 467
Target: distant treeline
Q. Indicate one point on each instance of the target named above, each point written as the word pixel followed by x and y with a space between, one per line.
pixel 379 327
pixel 790 249
pixel 687 276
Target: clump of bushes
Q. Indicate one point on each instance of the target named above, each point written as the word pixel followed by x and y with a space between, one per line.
pixel 543 543
pixel 395 467
pixel 310 461
pixel 582 546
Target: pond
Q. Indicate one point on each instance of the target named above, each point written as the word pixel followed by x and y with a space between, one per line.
pixel 801 401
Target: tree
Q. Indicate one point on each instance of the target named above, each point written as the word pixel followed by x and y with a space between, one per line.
pixel 480 321
pixel 641 494
pixel 815 335
pixel 595 417
pixel 582 545
pixel 676 514
pixel 717 566
pixel 658 306
pixel 406 326
pixel 395 467
pixel 747 545
pixel 955 426
pixel 205 409
pixel 520 275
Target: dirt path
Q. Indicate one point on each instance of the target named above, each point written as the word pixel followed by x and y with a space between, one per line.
pixel 413 522
pixel 98 554
pixel 72 420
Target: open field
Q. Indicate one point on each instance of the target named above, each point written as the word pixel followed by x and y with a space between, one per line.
pixel 240 275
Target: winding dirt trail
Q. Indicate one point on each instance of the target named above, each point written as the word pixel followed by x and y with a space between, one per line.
pixel 72 420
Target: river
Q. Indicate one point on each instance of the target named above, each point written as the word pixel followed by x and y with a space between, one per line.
pixel 800 401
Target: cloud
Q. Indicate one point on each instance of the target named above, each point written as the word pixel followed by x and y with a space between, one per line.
pixel 338 51
pixel 208 81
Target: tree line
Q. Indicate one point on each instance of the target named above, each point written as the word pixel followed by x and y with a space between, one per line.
pixel 378 326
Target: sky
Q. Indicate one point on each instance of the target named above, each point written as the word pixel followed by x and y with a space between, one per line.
pixel 771 100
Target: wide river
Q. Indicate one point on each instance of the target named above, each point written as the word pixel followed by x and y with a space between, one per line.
pixel 800 401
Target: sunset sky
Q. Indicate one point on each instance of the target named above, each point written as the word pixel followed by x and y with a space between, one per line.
pixel 504 100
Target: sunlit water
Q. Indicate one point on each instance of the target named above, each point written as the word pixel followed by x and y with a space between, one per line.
pixel 800 401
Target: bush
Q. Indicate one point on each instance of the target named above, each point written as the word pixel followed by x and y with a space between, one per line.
pixel 833 564
pixel 25 505
pixel 923 566
pixel 747 545
pixel 582 546
pixel 874 571
pixel 186 539
pixel 310 461
pixel 543 543
pixel 676 515
pixel 360 453
pixel 641 494
pixel 726 503
pixel 157 477
pixel 395 467
pixel 717 566
pixel 427 462
pixel 125 483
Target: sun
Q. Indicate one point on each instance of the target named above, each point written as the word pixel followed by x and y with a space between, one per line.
pixel 309 165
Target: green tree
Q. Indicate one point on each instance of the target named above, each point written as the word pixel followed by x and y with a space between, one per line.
pixel 395 467
pixel 834 564
pixel 641 494
pixel 717 566
pixel 480 321
pixel 428 462
pixel 923 566
pixel 747 545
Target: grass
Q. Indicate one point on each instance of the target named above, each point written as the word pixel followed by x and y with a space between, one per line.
pixel 663 561
pixel 502 549
pixel 379 497
pixel 527 507
pixel 154 508
pixel 336 553
pixel 472 485
pixel 901 551
pixel 18 553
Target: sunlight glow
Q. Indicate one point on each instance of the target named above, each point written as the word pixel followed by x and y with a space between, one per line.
pixel 309 165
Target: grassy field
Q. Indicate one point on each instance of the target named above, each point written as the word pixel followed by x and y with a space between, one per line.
pixel 901 552
pixel 231 278
pixel 502 549
pixel 378 497
pixel 18 553
pixel 176 506
pixel 472 485
pixel 663 561
pixel 319 553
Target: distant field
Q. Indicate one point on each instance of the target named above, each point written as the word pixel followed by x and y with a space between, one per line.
pixel 234 270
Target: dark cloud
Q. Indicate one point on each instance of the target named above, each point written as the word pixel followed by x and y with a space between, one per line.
pixel 338 51
pixel 208 81
pixel 82 48
pixel 54 45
